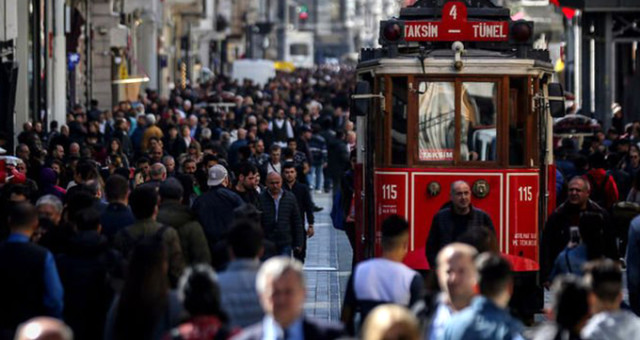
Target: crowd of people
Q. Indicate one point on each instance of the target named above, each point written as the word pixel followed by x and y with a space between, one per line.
pixel 153 219
pixel 187 218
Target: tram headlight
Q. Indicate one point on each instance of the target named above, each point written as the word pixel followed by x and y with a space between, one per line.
pixel 521 32
pixel 392 31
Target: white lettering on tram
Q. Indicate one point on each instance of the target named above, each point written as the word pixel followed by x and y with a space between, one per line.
pixel 483 30
pixel 421 31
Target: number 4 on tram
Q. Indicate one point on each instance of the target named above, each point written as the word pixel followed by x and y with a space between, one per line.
pixel 457 93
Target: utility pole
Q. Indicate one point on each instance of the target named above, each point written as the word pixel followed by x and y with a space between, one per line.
pixel 283 16
pixel 59 97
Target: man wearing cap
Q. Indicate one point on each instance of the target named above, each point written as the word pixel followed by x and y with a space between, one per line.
pixel 152 130
pixel 617 121
pixel 214 210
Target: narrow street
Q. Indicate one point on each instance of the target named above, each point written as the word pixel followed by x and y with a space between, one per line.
pixel 328 265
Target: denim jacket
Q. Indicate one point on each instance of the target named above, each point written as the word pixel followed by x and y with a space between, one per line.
pixel 483 320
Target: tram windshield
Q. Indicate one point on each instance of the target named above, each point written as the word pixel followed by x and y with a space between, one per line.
pixel 436 121
pixel 478 121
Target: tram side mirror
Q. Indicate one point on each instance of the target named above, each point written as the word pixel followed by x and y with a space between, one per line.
pixel 556 100
pixel 361 100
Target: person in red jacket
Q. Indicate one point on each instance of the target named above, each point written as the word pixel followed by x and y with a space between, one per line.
pixel 604 190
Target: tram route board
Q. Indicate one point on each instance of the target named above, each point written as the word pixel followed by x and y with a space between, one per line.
pixel 455 27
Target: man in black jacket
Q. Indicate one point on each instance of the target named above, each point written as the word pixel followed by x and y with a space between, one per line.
pixel 86 270
pixel 281 219
pixel 452 222
pixel 556 233
pixel 214 210
pixel 117 215
pixel 305 204
pixel 247 183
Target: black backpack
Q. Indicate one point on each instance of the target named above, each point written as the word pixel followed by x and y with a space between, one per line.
pixel 599 192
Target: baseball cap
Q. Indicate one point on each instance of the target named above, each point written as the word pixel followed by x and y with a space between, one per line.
pixel 217 174
pixel 615 107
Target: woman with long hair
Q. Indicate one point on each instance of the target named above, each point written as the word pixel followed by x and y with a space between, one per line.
pixel 115 149
pixel 146 308
pixel 200 295
pixel 194 152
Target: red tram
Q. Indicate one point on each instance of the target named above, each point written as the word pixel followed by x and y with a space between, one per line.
pixel 456 92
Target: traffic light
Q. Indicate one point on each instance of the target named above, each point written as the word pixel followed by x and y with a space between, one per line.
pixel 303 13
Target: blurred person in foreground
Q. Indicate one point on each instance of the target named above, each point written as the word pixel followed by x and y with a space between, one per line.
pixel 390 322
pixel 29 284
pixel 44 328
pixel 89 270
pixel 238 281
pixel 609 321
pixel 282 290
pixel 633 264
pixel 570 310
pixel 487 316
pixel 146 308
pixel 385 279
pixel 199 292
pixel 457 278
pixel 144 204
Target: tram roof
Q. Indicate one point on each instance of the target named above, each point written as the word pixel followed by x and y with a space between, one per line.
pixel 429 30
pixel 440 62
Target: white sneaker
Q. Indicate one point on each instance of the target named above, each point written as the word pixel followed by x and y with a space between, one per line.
pixel 318 191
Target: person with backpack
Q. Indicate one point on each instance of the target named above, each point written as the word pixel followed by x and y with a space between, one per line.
pixel 604 190
pixel 144 204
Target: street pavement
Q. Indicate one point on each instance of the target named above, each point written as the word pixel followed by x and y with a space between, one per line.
pixel 327 266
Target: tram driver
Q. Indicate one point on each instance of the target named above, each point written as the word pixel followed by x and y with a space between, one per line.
pixel 454 221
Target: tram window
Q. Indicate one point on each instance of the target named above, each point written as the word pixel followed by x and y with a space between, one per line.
pixel 518 112
pixel 436 121
pixel 479 111
pixel 399 121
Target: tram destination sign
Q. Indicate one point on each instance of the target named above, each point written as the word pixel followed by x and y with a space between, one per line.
pixel 455 27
